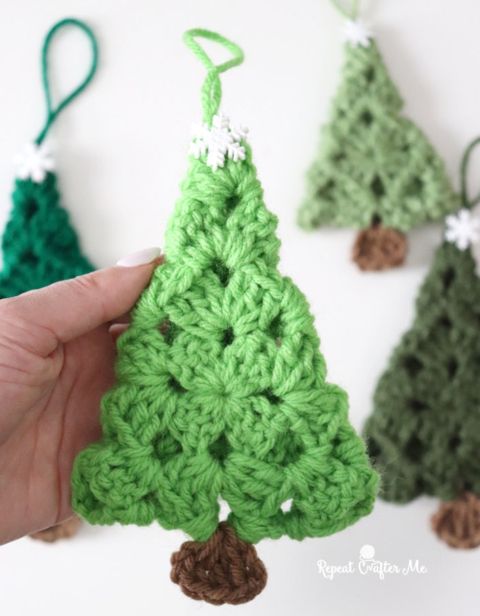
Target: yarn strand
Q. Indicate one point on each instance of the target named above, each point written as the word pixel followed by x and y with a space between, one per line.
pixel 53 112
pixel 466 201
pixel 349 14
pixel 211 95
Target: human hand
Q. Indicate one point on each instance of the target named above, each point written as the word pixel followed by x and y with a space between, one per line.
pixel 57 353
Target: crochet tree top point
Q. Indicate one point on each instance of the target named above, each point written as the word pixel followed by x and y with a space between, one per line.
pixel 375 168
pixel 39 246
pixel 221 390
pixel 424 432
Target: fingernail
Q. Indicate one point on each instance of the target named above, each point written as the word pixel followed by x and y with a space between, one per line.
pixel 141 257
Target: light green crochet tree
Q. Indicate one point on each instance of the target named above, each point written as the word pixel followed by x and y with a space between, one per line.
pixel 221 390
pixel 375 169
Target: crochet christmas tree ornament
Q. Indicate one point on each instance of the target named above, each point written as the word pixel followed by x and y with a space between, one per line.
pixel 221 391
pixel 39 245
pixel 424 433
pixel 375 170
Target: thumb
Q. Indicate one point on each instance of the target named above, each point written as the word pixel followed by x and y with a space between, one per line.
pixel 68 309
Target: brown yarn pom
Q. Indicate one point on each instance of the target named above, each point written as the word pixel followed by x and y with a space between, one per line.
pixel 457 522
pixel 223 569
pixel 64 530
pixel 379 248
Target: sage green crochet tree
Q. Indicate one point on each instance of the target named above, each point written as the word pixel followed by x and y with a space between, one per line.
pixel 221 390
pixel 424 433
pixel 375 171
pixel 39 245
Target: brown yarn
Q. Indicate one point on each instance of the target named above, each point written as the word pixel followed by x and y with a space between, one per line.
pixel 457 522
pixel 379 248
pixel 64 530
pixel 223 569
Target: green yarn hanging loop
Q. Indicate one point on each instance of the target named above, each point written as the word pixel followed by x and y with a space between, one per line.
pixel 53 112
pixel 466 201
pixel 212 87
pixel 351 13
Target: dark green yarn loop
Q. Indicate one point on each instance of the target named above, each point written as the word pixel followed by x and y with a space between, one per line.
pixel 212 86
pixel 39 245
pixel 53 112
pixel 465 200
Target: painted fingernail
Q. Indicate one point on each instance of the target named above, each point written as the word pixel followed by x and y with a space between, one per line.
pixel 141 257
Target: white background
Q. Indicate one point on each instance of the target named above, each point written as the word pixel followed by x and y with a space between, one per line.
pixel 121 155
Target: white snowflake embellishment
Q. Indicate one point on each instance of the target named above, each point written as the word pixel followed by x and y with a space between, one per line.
pixel 463 229
pixel 221 141
pixel 357 33
pixel 34 162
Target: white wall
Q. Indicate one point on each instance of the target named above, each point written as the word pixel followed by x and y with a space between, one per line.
pixel 121 154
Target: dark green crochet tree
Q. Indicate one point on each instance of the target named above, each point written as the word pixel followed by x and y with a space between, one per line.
pixel 221 390
pixel 39 245
pixel 424 433
pixel 375 170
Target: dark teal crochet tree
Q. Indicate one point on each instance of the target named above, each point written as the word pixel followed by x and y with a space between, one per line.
pixel 375 171
pixel 424 433
pixel 39 245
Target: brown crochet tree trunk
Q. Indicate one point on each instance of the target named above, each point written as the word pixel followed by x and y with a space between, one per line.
pixel 223 569
pixel 64 530
pixel 457 522
pixel 379 248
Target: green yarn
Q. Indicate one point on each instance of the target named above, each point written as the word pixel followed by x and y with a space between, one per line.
pixel 221 389
pixel 212 86
pixel 373 165
pixel 351 13
pixel 39 245
pixel 424 432
pixel 53 112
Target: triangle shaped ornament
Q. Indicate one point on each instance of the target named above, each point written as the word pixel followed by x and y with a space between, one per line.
pixel 423 434
pixel 221 394
pixel 375 170
pixel 39 244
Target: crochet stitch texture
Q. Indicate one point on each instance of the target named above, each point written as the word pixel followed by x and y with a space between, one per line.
pixel 374 166
pixel 221 389
pixel 39 245
pixel 423 434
